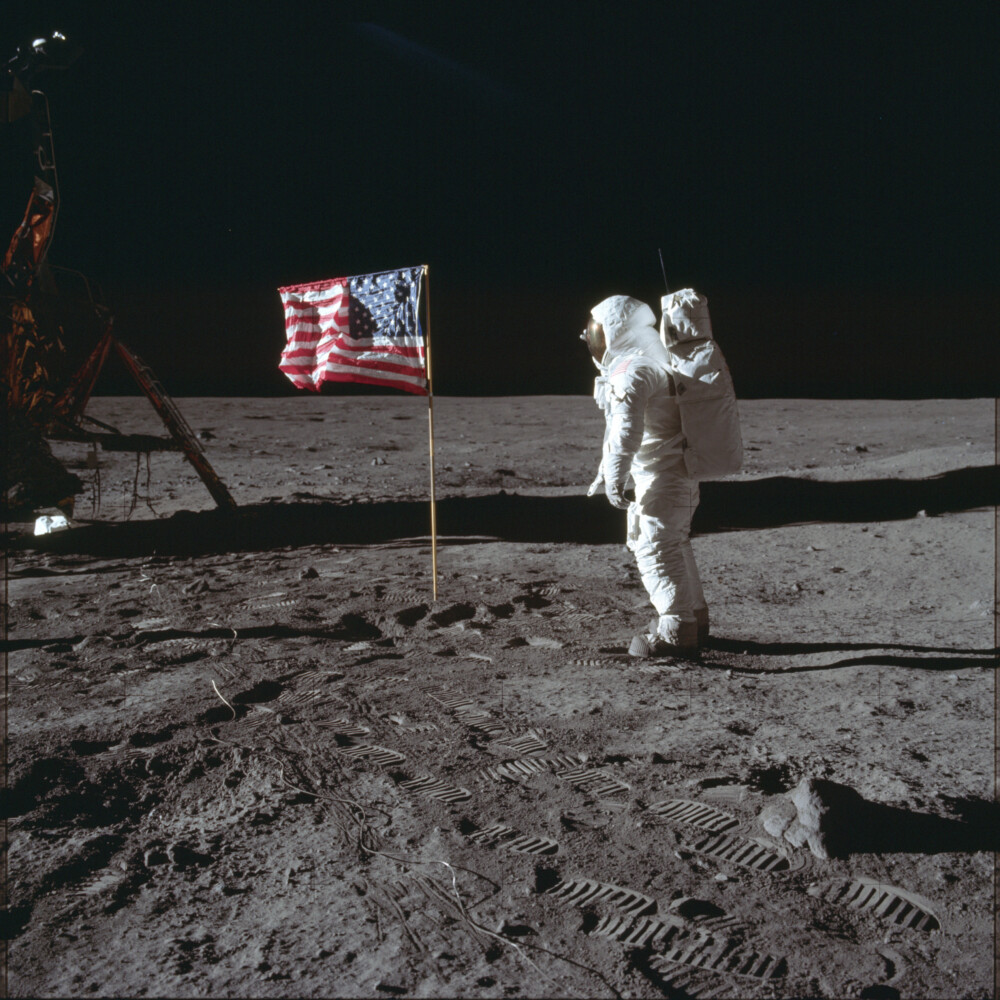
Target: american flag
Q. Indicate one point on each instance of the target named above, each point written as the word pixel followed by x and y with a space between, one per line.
pixel 359 329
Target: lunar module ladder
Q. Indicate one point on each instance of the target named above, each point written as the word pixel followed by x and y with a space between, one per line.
pixel 71 404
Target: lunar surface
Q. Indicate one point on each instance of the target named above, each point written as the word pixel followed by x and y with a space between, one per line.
pixel 252 756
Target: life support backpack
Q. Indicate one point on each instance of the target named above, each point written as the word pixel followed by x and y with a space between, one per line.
pixel 710 419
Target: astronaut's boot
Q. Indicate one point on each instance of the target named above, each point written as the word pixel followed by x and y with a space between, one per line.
pixel 701 619
pixel 668 636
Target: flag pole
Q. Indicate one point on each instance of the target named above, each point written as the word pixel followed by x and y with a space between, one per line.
pixel 430 428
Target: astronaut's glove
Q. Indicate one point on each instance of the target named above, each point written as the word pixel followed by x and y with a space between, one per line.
pixel 597 485
pixel 615 492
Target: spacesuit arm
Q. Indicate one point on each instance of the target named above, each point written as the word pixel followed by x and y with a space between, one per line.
pixel 628 392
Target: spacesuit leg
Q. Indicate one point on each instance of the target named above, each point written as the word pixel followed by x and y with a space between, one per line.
pixel 659 536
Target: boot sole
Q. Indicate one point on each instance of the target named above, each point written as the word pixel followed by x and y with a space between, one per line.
pixel 641 648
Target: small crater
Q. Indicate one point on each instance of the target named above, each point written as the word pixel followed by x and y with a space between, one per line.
pixel 772 780
pixel 517 930
pixel 715 780
pixel 410 616
pixel 532 601
pixel 879 992
pixel 216 716
pixel 184 857
pixel 546 878
pixel 354 628
pixel 692 909
pixel 261 691
pixel 154 855
pixel 159 766
pixel 143 739
pixel 453 613
pixel 195 771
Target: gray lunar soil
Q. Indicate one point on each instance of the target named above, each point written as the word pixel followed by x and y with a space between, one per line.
pixel 251 756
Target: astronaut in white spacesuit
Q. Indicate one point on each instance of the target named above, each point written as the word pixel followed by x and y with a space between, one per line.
pixel 643 437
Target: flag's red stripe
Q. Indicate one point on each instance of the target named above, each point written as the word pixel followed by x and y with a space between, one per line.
pixel 388 361
pixel 307 314
pixel 333 368
pixel 313 286
pixel 303 339
pixel 350 371
pixel 290 370
pixel 300 335
pixel 414 359
pixel 336 320
pixel 368 345
pixel 326 305
pixel 316 306
pixel 338 359
pixel 406 371
pixel 301 382
pixel 407 357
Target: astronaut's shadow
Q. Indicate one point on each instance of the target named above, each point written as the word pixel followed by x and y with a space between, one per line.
pixel 783 500
pixel 937 658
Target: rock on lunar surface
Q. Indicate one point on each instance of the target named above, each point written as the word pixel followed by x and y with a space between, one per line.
pixel 801 817
pixel 812 819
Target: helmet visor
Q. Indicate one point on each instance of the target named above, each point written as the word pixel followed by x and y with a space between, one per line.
pixel 593 336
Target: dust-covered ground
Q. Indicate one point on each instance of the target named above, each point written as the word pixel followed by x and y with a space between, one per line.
pixel 250 755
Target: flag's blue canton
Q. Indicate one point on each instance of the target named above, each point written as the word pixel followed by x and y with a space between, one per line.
pixel 385 305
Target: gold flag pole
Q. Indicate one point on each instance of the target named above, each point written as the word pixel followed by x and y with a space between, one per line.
pixel 430 427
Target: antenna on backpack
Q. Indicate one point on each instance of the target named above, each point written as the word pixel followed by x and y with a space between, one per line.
pixel 664 270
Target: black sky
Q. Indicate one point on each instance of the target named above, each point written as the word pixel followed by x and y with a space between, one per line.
pixel 824 172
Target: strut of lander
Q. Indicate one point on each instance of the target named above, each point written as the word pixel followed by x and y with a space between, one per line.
pixel 51 316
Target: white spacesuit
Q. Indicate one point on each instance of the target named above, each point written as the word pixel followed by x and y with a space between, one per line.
pixel 643 437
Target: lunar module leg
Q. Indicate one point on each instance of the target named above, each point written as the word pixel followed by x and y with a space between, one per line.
pixel 176 425
pixel 68 408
